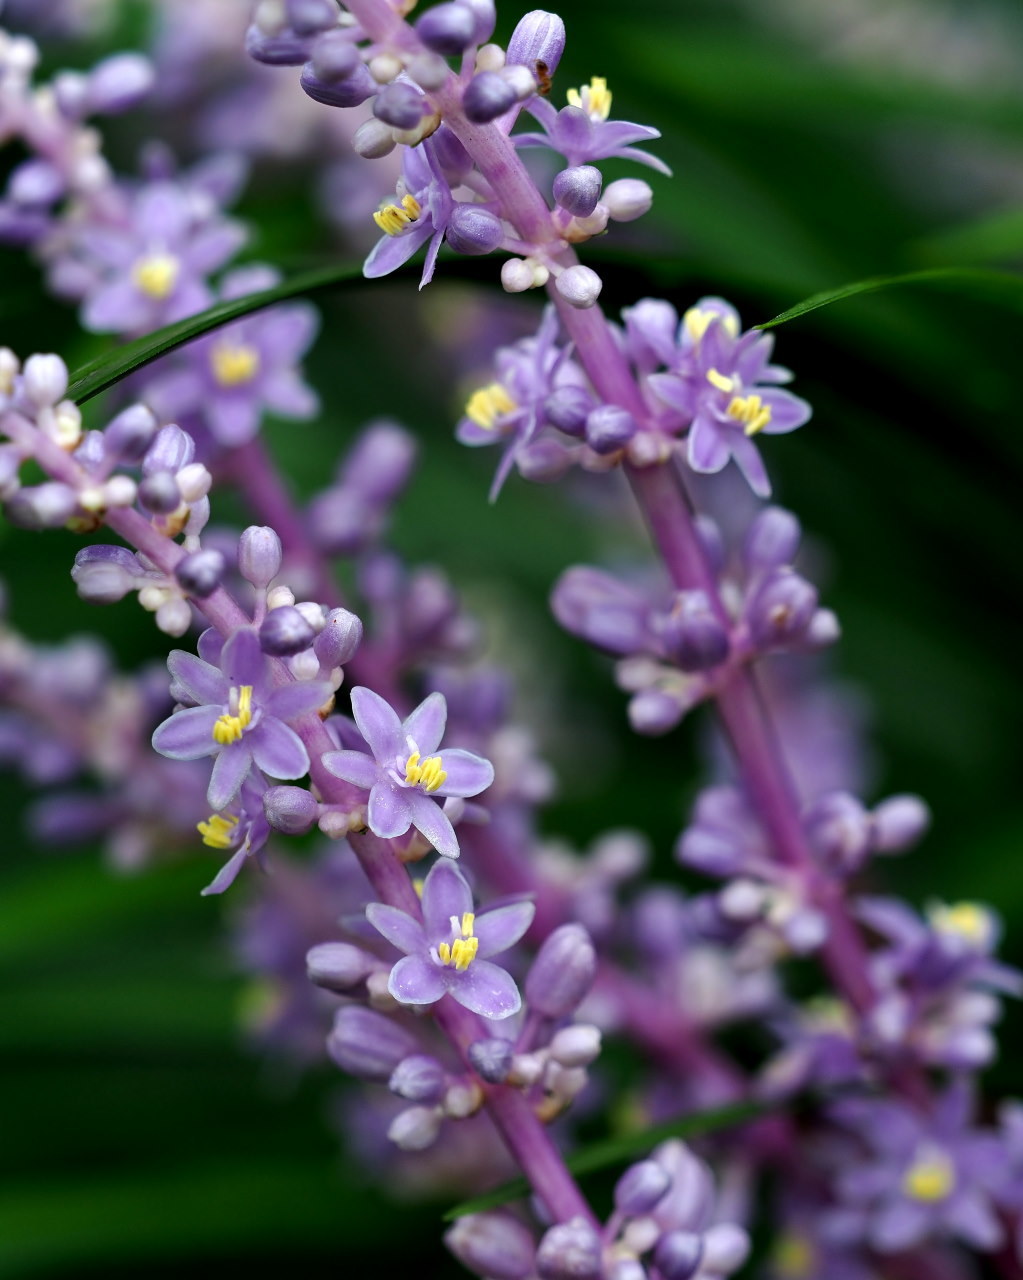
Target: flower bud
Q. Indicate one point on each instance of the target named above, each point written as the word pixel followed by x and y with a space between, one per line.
pixel 597 607
pixel 899 822
pixel 291 810
pixel 419 1078
pixel 562 972
pixel 576 1046
pixel 171 450
pixel 839 830
pixel 415 1129
pixel 487 96
pixel 640 1187
pixel 259 555
pixel 473 230
pixel 608 427
pixel 104 574
pixel 130 434
pixel 653 712
pixel 367 1044
pixel 349 92
pixel 492 1059
pixel 569 1251
pixel 455 162
pixel 517 275
pixel 627 199
pixel 725 1248
pixel 45 379
pixel 373 140
pixel 201 572
pixel 339 639
pixel 484 13
pixel 35 182
pixel 543 461
pixel 567 408
pixel 678 1254
pixel 335 57
pixel 336 966
pixel 400 105
pixel 771 540
pixel 493 1244
pixel 781 608
pixel 118 83
pixel 692 635
pixel 42 506
pixel 447 29
pixel 159 493
pixel 282 48
pixel 307 17
pixel 10 470
pixel 285 632
pixel 577 189
pixel 538 37
pixel 580 286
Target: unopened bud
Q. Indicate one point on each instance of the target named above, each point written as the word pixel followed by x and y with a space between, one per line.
pixel 641 1187
pixel 627 199
pixel 259 555
pixel 291 810
pixel 447 29
pixel 337 966
pixel 201 572
pixel 419 1078
pixel 285 632
pixel 569 1251
pixel 580 286
pixel 415 1129
pixel 473 230
pixel 539 37
pixel 493 1244
pixel 576 1046
pixel 578 189
pixel 487 96
pixel 367 1044
pixel 492 1059
pixel 562 972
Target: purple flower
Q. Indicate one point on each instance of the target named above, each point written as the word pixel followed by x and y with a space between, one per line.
pixel 425 208
pixel 403 775
pixel 582 132
pixel 238 717
pixel 243 831
pixel 447 953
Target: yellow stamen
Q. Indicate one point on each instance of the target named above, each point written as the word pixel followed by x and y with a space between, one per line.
pixel 232 724
pixel 234 364
pixel 697 321
pixel 429 775
pixel 966 921
pixel 488 404
pixel 462 951
pixel 930 1177
pixel 218 831
pixel 593 98
pixel 751 411
pixel 417 884
pixel 156 274
pixel 393 220
pixel 720 381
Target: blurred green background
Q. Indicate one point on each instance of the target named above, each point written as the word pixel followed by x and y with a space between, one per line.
pixel 812 144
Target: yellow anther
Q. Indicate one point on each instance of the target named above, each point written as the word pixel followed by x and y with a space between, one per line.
pixel 930 1177
pixel 429 775
pixel 417 884
pixel 462 951
pixel 468 923
pixel 393 220
pixel 156 274
pixel 967 921
pixel 751 411
pixel 488 404
pixel 793 1257
pixel 232 724
pixel 217 831
pixel 720 381
pixel 234 364
pixel 697 321
pixel 594 98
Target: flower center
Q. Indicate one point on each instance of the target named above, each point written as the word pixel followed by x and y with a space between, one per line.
pixel 930 1177
pixel 593 98
pixel 218 830
pixel 232 724
pixel 698 320
pixel 394 220
pixel 428 774
pixel 461 951
pixel 751 412
pixel 720 380
pixel 234 364
pixel 965 922
pixel 156 274
pixel 488 404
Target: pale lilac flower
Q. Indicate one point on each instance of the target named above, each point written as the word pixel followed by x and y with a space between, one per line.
pixel 403 774
pixel 239 717
pixel 582 132
pixel 448 953
pixel 422 214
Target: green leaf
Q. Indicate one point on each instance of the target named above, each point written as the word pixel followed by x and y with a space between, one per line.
pixel 601 1155
pixel 987 286
pixel 100 374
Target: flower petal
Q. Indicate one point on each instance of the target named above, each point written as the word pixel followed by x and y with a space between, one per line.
pixel 446 893
pixel 202 682
pixel 748 459
pixel 707 450
pixel 468 774
pixel 227 874
pixel 432 823
pixel 242 660
pixel 379 725
pixel 425 726
pixel 229 772
pixel 486 989
pixel 278 750
pixel 501 928
pixel 292 700
pixel 390 813
pixel 353 766
pixel 188 735
pixel 416 980
pixel 398 928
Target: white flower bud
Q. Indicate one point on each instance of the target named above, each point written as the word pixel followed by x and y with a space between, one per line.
pixel 580 286
pixel 278 597
pixel 490 57
pixel 194 482
pixel 384 67
pixel 120 491
pixel 45 379
pixel 628 199
pixel 373 139
pixel 516 275
pixel 416 1129
pixel 576 1046
pixel 174 617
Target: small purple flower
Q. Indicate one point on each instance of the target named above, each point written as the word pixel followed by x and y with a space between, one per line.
pixel 425 208
pixel 403 775
pixel 447 953
pixel 243 832
pixel 238 717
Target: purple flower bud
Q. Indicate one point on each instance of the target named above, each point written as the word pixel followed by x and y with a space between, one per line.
pixel 447 29
pixel 493 1244
pixel 381 461
pixel 419 1078
pixel 402 106
pixel 307 17
pixel 899 822
pixel 781 608
pixel 562 972
pixel 131 433
pixel 627 199
pixel 348 92
pixel 771 540
pixel 285 48
pixel 285 632
pixel 428 70
pixel 104 574
pixel 725 1248
pixel 543 461
pixel 538 37
pixel 492 1059
pixel 602 610
pixel 484 13
pixel 291 810
pixel 159 493
pixel 487 96
pixel 455 162
pixel 45 379
pixel 36 182
pixel 678 1255
pixel 474 230
pixel 653 712
pixel 692 635
pixel 567 409
pixel 336 966
pixel 570 1251
pixel 839 830
pixel 43 506
pixel 580 287
pixel 171 450
pixel 577 190
pixel 373 140
pixel 335 57
pixel 640 1187
pixel 119 83
pixel 339 639
pixel 609 428
pixel 201 572
pixel 259 555
pixel 367 1044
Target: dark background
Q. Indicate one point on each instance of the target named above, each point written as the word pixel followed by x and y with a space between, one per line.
pixel 812 144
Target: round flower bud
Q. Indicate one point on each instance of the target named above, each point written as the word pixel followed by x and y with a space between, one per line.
pixel 367 1044
pixel 692 635
pixel 838 828
pixel 899 822
pixel 653 712
pixel 781 608
pixel 576 1046
pixel 677 1254
pixel 725 1248
pixel 609 428
pixel 517 275
pixel 428 70
pixel 627 199
pixel 335 57
pixel 771 540
pixel 259 555
pixel 474 230
pixel 492 1059
pixel 447 29
pixel 339 639
pixel 577 189
pixel 104 574
pixel 45 379
pixel 130 434
pixel 337 966
pixel 201 572
pixel 415 1129
pixel 400 105
pixel 562 972
pixel 484 13
pixel 580 286
pixel 307 17
pixel 640 1187
pixel 543 461
pixel 42 506
pixel 567 409
pixel 283 48
pixel 291 810
pixel 539 37
pixel 493 1244
pixel 487 96
pixel 171 450
pixel 284 632
pixel 373 140
pixel 419 1078
pixel 348 92
pixel 118 83
pixel 36 182
pixel 159 493
pixel 570 1251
